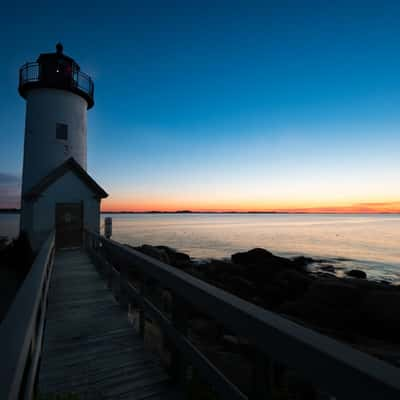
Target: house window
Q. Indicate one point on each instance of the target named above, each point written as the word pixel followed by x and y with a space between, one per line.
pixel 62 131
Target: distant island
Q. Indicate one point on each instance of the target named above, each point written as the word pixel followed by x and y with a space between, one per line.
pixel 17 211
pixel 193 212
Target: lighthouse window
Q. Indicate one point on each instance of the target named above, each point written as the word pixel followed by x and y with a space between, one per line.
pixel 62 131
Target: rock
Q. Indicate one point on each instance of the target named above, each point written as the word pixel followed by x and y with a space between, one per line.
pixel 241 287
pixel 320 274
pixel 301 262
pixel 380 314
pixel 356 273
pixel 176 258
pixel 333 292
pixel 152 251
pixel 165 254
pixel 221 270
pixel 295 282
pixel 273 295
pixel 365 285
pixel 255 256
pixel 261 265
pixel 328 303
pixel 328 268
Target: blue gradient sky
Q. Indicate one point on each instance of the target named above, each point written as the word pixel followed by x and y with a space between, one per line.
pixel 244 105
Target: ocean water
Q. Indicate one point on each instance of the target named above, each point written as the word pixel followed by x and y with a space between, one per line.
pixel 367 242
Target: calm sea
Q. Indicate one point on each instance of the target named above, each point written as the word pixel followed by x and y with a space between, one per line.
pixel 368 242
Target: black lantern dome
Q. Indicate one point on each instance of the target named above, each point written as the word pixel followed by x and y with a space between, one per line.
pixel 57 71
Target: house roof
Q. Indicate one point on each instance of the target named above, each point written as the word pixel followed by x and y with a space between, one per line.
pixel 61 170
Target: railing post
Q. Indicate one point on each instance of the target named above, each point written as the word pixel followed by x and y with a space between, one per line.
pixel 180 322
pixel 262 377
pixel 123 279
pixel 109 274
pixel 142 317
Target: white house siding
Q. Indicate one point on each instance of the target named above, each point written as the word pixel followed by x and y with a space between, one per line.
pixel 67 189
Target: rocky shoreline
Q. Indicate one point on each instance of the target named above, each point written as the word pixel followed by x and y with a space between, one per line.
pixel 353 309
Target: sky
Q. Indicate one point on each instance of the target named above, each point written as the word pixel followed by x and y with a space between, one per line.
pixel 222 105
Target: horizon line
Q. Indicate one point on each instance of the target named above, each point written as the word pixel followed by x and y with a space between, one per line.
pixel 311 211
pixel 243 212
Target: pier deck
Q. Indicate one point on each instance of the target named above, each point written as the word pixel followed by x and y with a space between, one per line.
pixel 90 348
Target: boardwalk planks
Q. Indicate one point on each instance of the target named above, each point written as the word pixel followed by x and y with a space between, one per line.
pixel 90 348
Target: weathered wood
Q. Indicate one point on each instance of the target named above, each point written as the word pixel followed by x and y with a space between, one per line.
pixel 90 348
pixel 261 387
pixel 142 317
pixel 123 300
pixel 179 320
pixel 331 365
pixel 21 331
pixel 225 388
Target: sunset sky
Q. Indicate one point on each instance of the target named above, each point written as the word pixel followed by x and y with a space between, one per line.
pixel 284 105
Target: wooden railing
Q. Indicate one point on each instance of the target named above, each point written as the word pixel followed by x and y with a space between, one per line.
pixel 21 332
pixel 334 367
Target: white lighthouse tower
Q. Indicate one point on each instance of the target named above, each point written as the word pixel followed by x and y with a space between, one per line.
pixel 57 192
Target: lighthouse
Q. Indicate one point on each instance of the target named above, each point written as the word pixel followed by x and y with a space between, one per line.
pixel 57 192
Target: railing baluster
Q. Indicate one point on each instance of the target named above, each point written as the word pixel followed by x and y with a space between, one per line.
pixel 123 278
pixel 180 322
pixel 262 378
pixel 142 316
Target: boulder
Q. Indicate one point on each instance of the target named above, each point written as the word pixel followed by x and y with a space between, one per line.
pixel 220 270
pixel 152 251
pixel 356 273
pixel 295 282
pixel 301 262
pixel 328 268
pixel 328 303
pixel 380 314
pixel 255 256
pixel 261 265
pixel 241 287
pixel 165 254
pixel 333 292
pixel 273 295
pixel 176 258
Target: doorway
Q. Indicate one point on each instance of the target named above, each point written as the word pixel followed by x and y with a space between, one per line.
pixel 69 224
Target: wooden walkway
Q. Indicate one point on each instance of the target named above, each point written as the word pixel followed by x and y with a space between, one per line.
pixel 90 348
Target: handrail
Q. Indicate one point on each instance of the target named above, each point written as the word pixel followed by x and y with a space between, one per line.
pixel 333 366
pixel 21 332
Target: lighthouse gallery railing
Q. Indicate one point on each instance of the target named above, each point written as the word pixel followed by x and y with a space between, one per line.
pixel 332 366
pixel 31 73
pixel 21 332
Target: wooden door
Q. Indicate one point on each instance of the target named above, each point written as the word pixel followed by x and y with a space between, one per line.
pixel 69 223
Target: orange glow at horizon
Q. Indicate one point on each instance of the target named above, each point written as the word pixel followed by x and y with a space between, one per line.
pixel 114 205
